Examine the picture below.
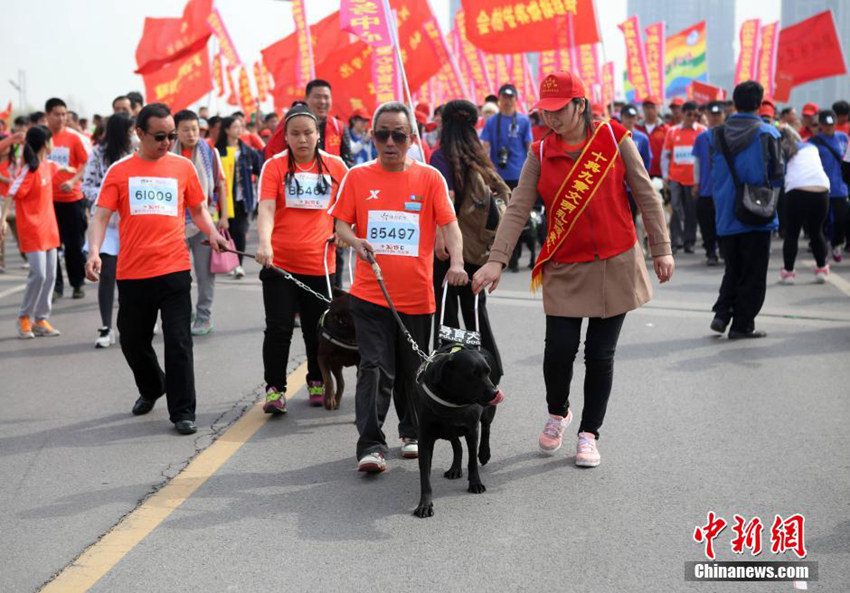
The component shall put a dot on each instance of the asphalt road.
(696, 423)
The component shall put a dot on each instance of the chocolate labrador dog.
(455, 394)
(337, 346)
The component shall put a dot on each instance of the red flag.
(704, 93)
(473, 58)
(233, 98)
(180, 83)
(588, 64)
(811, 50)
(635, 57)
(748, 58)
(246, 98)
(608, 84)
(166, 40)
(515, 26)
(655, 57)
(306, 69)
(218, 75)
(442, 56)
(225, 43)
(367, 20)
(767, 56)
(782, 89)
(6, 113)
(262, 93)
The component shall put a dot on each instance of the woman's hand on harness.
(264, 255)
(364, 249)
(664, 266)
(488, 275)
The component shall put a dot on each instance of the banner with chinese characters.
(474, 59)
(306, 69)
(218, 75)
(767, 56)
(811, 49)
(516, 26)
(225, 43)
(704, 93)
(180, 83)
(635, 58)
(260, 80)
(366, 19)
(385, 75)
(748, 56)
(608, 91)
(655, 49)
(588, 64)
(246, 98)
(233, 97)
(443, 56)
(166, 40)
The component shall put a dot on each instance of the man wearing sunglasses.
(396, 204)
(150, 190)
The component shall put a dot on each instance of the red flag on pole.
(608, 84)
(306, 70)
(180, 83)
(473, 58)
(165, 40)
(767, 56)
(260, 80)
(6, 113)
(218, 75)
(811, 50)
(655, 57)
(748, 57)
(515, 26)
(225, 43)
(246, 98)
(636, 57)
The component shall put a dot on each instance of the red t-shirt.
(34, 212)
(680, 142)
(253, 140)
(69, 150)
(151, 197)
(4, 171)
(302, 224)
(398, 214)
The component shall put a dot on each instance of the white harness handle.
(327, 272)
(443, 307)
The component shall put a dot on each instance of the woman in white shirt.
(806, 204)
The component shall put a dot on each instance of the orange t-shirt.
(69, 150)
(4, 171)
(151, 197)
(680, 142)
(302, 224)
(34, 212)
(398, 214)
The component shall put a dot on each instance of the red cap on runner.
(677, 102)
(652, 99)
(810, 109)
(558, 89)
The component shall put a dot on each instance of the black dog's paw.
(453, 473)
(478, 488)
(484, 455)
(423, 511)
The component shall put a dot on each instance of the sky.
(84, 51)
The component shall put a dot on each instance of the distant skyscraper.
(681, 14)
(828, 90)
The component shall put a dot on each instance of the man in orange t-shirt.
(396, 205)
(69, 151)
(677, 164)
(151, 190)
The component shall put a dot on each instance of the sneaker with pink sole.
(275, 402)
(821, 274)
(553, 433)
(587, 455)
(786, 277)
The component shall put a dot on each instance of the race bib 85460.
(61, 155)
(392, 232)
(153, 195)
(308, 193)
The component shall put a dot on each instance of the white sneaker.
(372, 463)
(105, 338)
(409, 448)
(238, 273)
(787, 277)
(587, 455)
(821, 274)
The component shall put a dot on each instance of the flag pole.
(604, 53)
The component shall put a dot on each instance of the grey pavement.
(695, 423)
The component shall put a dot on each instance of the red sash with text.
(575, 193)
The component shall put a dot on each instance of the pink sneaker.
(821, 274)
(275, 402)
(553, 433)
(316, 392)
(587, 455)
(786, 277)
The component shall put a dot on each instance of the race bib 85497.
(309, 193)
(153, 195)
(392, 232)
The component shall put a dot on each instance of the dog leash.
(280, 271)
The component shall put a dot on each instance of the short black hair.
(35, 116)
(316, 83)
(748, 96)
(267, 117)
(237, 114)
(73, 116)
(50, 104)
(185, 115)
(136, 98)
(491, 99)
(841, 107)
(689, 106)
(151, 110)
(785, 111)
(214, 120)
(120, 98)
(21, 121)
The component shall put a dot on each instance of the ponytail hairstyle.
(291, 181)
(117, 141)
(37, 137)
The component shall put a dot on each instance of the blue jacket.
(831, 165)
(703, 157)
(645, 150)
(750, 141)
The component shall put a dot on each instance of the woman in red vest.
(591, 265)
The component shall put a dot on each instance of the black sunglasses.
(159, 137)
(384, 135)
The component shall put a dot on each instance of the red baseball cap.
(652, 99)
(361, 113)
(421, 118)
(424, 108)
(767, 109)
(677, 102)
(810, 109)
(597, 109)
(558, 89)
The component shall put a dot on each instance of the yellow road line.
(99, 559)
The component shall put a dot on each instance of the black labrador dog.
(455, 394)
(337, 346)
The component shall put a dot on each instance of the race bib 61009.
(309, 193)
(153, 195)
(392, 232)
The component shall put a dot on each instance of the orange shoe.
(43, 328)
(25, 328)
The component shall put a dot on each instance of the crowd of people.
(139, 199)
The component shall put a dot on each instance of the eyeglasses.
(162, 136)
(384, 135)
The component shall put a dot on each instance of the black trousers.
(139, 302)
(462, 297)
(838, 213)
(805, 210)
(238, 226)
(744, 280)
(71, 218)
(387, 372)
(282, 299)
(563, 335)
(106, 288)
(707, 224)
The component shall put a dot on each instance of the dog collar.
(335, 341)
(440, 400)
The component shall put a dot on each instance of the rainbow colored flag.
(685, 60)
